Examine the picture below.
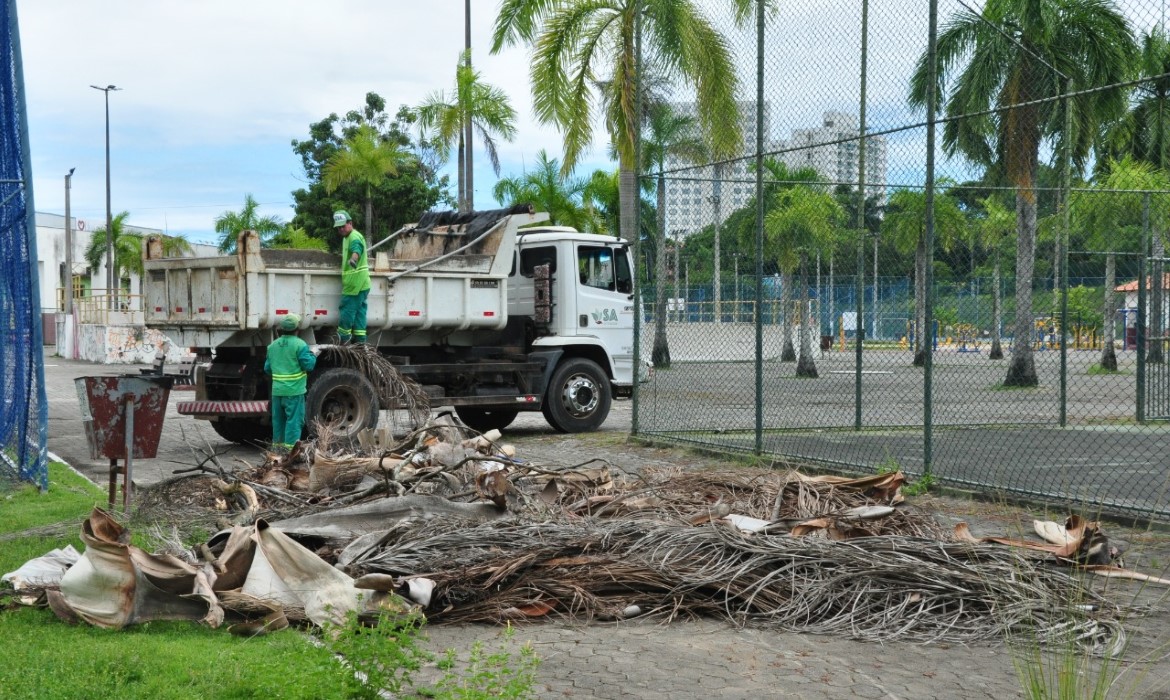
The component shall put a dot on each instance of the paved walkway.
(697, 659)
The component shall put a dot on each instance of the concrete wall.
(110, 345)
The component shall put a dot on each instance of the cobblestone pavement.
(685, 659)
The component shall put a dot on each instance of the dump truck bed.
(446, 272)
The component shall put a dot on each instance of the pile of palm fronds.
(874, 588)
(395, 392)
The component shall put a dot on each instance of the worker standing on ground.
(289, 361)
(355, 280)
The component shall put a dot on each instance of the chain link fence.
(23, 411)
(939, 246)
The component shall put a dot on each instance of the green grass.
(49, 659)
(1099, 371)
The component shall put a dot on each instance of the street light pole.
(736, 255)
(109, 212)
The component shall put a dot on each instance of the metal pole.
(716, 280)
(68, 250)
(1065, 225)
(928, 320)
(859, 325)
(128, 470)
(1140, 333)
(468, 178)
(109, 211)
(635, 235)
(735, 318)
(759, 446)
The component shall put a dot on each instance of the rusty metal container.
(123, 420)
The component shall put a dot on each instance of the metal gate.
(1153, 325)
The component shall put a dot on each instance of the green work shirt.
(354, 279)
(289, 361)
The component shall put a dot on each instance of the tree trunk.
(877, 292)
(832, 305)
(1022, 368)
(661, 353)
(461, 200)
(1157, 312)
(787, 351)
(1108, 353)
(921, 332)
(996, 312)
(806, 366)
(369, 218)
(627, 203)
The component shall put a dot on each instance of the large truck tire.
(578, 397)
(244, 431)
(485, 419)
(343, 401)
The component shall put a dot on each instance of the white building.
(832, 150)
(91, 307)
(694, 196)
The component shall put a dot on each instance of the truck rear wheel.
(485, 419)
(343, 401)
(578, 397)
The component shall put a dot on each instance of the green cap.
(290, 322)
(341, 217)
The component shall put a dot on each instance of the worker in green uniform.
(355, 280)
(289, 361)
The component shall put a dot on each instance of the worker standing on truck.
(355, 280)
(289, 361)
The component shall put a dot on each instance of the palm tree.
(229, 224)
(601, 197)
(1144, 133)
(905, 225)
(583, 44)
(1112, 220)
(547, 189)
(472, 105)
(804, 221)
(128, 248)
(296, 238)
(366, 159)
(671, 137)
(778, 178)
(1020, 52)
(992, 231)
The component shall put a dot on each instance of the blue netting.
(23, 411)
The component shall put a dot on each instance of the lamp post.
(735, 256)
(109, 213)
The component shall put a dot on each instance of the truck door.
(605, 302)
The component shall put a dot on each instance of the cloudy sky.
(214, 91)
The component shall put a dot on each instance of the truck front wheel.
(578, 397)
(343, 401)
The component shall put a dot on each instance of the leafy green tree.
(547, 189)
(1143, 133)
(905, 225)
(296, 238)
(229, 224)
(486, 108)
(398, 199)
(1112, 218)
(580, 45)
(804, 221)
(1004, 63)
(669, 137)
(602, 198)
(127, 248)
(366, 160)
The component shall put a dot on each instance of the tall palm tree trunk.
(996, 311)
(461, 182)
(787, 351)
(1157, 313)
(661, 353)
(806, 366)
(921, 332)
(1022, 368)
(1108, 354)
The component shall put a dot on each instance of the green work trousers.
(288, 418)
(353, 317)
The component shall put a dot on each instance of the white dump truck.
(490, 318)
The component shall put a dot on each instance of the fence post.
(859, 325)
(636, 233)
(1140, 335)
(1066, 191)
(759, 445)
(928, 310)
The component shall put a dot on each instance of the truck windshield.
(603, 267)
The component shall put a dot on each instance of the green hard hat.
(290, 322)
(341, 217)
